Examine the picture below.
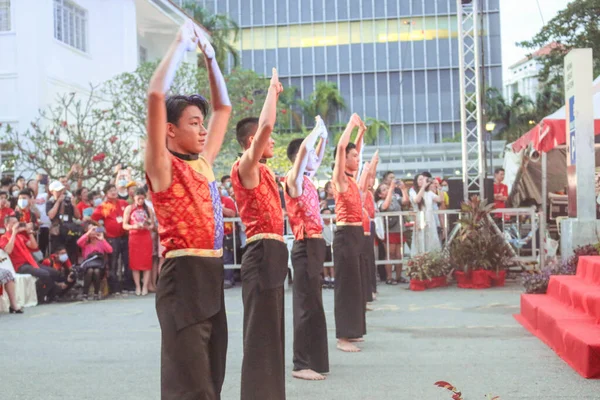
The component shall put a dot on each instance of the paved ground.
(110, 350)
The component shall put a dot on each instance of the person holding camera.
(138, 219)
(423, 198)
(59, 266)
(63, 213)
(95, 250)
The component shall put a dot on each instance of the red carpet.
(567, 318)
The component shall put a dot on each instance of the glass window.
(5, 20)
(305, 11)
(283, 66)
(318, 12)
(270, 34)
(443, 6)
(332, 60)
(257, 12)
(406, 59)
(409, 134)
(271, 59)
(381, 56)
(369, 95)
(295, 61)
(356, 53)
(269, 12)
(430, 6)
(282, 7)
(433, 97)
(344, 58)
(259, 62)
(343, 8)
(307, 87)
(432, 53)
(444, 53)
(367, 8)
(495, 56)
(419, 54)
(408, 102)
(234, 11)
(320, 60)
(417, 7)
(394, 55)
(330, 11)
(246, 16)
(396, 135)
(307, 61)
(70, 24)
(294, 12)
(357, 94)
(246, 58)
(354, 10)
(382, 97)
(404, 7)
(369, 57)
(395, 97)
(422, 134)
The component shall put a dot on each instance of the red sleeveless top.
(366, 222)
(348, 206)
(189, 212)
(370, 204)
(260, 208)
(304, 213)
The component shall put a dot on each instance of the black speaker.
(456, 194)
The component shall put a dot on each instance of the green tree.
(548, 100)
(576, 26)
(76, 130)
(512, 118)
(325, 101)
(374, 128)
(224, 33)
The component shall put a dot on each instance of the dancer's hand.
(204, 43)
(355, 120)
(187, 36)
(275, 82)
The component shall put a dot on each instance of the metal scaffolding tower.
(473, 157)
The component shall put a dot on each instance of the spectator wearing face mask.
(14, 196)
(26, 210)
(59, 266)
(226, 182)
(95, 251)
(63, 213)
(5, 210)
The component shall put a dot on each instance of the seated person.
(58, 266)
(95, 248)
(19, 247)
(5, 210)
(8, 281)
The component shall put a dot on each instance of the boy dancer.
(348, 242)
(179, 157)
(264, 264)
(311, 357)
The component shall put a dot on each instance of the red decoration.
(284, 111)
(135, 151)
(113, 139)
(60, 142)
(417, 285)
(52, 131)
(32, 156)
(71, 146)
(99, 157)
(90, 172)
(63, 124)
(118, 123)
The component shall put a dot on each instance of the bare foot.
(345, 345)
(308, 375)
(369, 308)
(356, 340)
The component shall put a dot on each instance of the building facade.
(52, 47)
(522, 76)
(396, 60)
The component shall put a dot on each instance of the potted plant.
(427, 271)
(478, 254)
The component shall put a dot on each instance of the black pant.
(44, 240)
(120, 248)
(45, 287)
(92, 275)
(59, 276)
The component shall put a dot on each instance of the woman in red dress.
(138, 219)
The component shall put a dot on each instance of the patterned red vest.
(304, 213)
(189, 212)
(260, 208)
(348, 206)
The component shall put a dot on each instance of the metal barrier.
(520, 228)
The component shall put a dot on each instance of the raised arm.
(266, 123)
(321, 146)
(217, 126)
(360, 138)
(364, 177)
(339, 170)
(158, 165)
(296, 176)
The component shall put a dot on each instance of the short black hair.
(4, 193)
(244, 129)
(8, 217)
(140, 192)
(62, 176)
(177, 104)
(6, 181)
(79, 191)
(26, 192)
(386, 174)
(498, 170)
(293, 148)
(20, 177)
(59, 248)
(224, 178)
(348, 148)
(93, 194)
(108, 187)
(426, 174)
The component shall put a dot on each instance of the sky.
(521, 20)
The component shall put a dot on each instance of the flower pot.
(498, 279)
(481, 279)
(418, 285)
(464, 279)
